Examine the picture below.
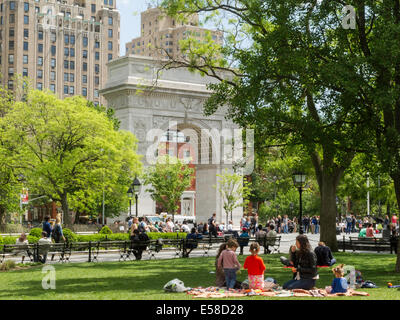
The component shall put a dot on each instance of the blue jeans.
(333, 261)
(285, 228)
(305, 284)
(317, 228)
(230, 278)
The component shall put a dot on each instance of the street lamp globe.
(130, 193)
(137, 186)
(299, 179)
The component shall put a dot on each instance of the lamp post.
(130, 196)
(299, 180)
(137, 186)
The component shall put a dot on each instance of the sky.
(130, 20)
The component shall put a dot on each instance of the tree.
(290, 74)
(63, 147)
(167, 180)
(235, 191)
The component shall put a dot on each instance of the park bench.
(57, 249)
(12, 250)
(266, 242)
(369, 244)
(155, 247)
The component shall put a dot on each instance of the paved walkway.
(286, 241)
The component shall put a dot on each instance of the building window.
(110, 45)
(96, 80)
(25, 72)
(40, 61)
(66, 52)
(66, 39)
(93, 8)
(71, 77)
(96, 93)
(26, 6)
(12, 18)
(53, 50)
(52, 88)
(110, 56)
(40, 74)
(110, 21)
(97, 44)
(84, 92)
(11, 45)
(11, 32)
(110, 33)
(53, 37)
(25, 59)
(40, 86)
(53, 63)
(52, 76)
(66, 64)
(12, 5)
(85, 41)
(84, 66)
(66, 77)
(72, 65)
(85, 54)
(26, 46)
(97, 55)
(40, 47)
(72, 39)
(96, 68)
(72, 90)
(26, 19)
(84, 78)
(65, 89)
(72, 52)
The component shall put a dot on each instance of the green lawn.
(145, 279)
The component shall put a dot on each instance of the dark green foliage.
(31, 239)
(69, 235)
(36, 232)
(105, 230)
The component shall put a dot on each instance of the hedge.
(72, 237)
(105, 230)
(36, 232)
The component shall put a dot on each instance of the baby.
(339, 284)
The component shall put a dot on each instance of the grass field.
(145, 279)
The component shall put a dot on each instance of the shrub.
(1, 240)
(36, 232)
(32, 239)
(105, 230)
(7, 265)
(69, 235)
(10, 240)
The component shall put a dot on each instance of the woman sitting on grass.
(305, 267)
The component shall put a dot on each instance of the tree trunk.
(2, 218)
(396, 180)
(328, 211)
(65, 209)
(77, 217)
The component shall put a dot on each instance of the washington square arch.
(166, 116)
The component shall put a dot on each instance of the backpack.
(143, 236)
(141, 228)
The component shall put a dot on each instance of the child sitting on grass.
(229, 262)
(255, 267)
(339, 284)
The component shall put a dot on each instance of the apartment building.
(62, 46)
(160, 35)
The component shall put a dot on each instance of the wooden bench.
(369, 244)
(266, 242)
(12, 250)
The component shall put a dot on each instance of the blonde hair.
(338, 271)
(254, 248)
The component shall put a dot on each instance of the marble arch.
(177, 98)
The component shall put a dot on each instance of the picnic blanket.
(214, 292)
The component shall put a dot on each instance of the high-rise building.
(63, 45)
(160, 35)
